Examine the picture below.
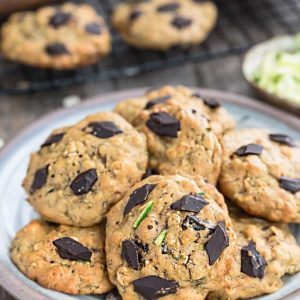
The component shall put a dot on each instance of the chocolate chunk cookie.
(81, 171)
(163, 24)
(261, 174)
(180, 141)
(168, 237)
(219, 119)
(62, 258)
(58, 37)
(265, 253)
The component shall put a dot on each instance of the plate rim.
(15, 285)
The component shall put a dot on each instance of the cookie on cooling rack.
(63, 258)
(57, 37)
(81, 171)
(163, 24)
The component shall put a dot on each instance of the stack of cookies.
(134, 199)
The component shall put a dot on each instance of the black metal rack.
(241, 24)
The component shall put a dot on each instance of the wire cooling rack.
(241, 24)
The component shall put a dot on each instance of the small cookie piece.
(219, 119)
(163, 24)
(265, 253)
(62, 258)
(81, 171)
(168, 236)
(57, 37)
(262, 175)
(180, 141)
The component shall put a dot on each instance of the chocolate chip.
(152, 287)
(217, 243)
(195, 223)
(163, 124)
(181, 22)
(192, 203)
(59, 19)
(211, 102)
(93, 28)
(138, 197)
(72, 250)
(290, 184)
(168, 7)
(113, 295)
(40, 178)
(252, 263)
(149, 172)
(153, 102)
(134, 15)
(104, 130)
(130, 254)
(53, 139)
(283, 139)
(56, 49)
(84, 182)
(250, 149)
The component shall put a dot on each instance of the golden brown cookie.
(168, 237)
(261, 174)
(163, 24)
(63, 258)
(57, 37)
(80, 172)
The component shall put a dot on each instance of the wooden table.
(19, 111)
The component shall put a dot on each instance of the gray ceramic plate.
(15, 212)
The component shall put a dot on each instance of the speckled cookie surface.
(163, 24)
(219, 119)
(180, 141)
(168, 237)
(63, 258)
(261, 174)
(81, 171)
(58, 37)
(274, 243)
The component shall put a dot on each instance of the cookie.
(57, 37)
(219, 119)
(261, 174)
(180, 141)
(163, 24)
(62, 258)
(265, 253)
(80, 172)
(168, 237)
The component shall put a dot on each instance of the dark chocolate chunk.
(153, 102)
(252, 263)
(134, 15)
(113, 295)
(168, 7)
(104, 130)
(53, 139)
(283, 139)
(250, 149)
(84, 182)
(138, 197)
(93, 28)
(290, 184)
(150, 172)
(56, 49)
(211, 102)
(163, 124)
(152, 287)
(59, 19)
(218, 241)
(130, 254)
(40, 178)
(195, 223)
(181, 22)
(192, 203)
(72, 250)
